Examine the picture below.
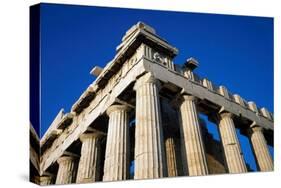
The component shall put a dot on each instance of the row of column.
(150, 155)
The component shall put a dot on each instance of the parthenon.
(143, 109)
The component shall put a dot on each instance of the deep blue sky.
(236, 51)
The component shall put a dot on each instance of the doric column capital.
(86, 136)
(147, 78)
(226, 115)
(189, 97)
(255, 128)
(66, 158)
(217, 117)
(117, 107)
(67, 169)
(183, 97)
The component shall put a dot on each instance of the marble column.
(89, 164)
(67, 170)
(231, 146)
(116, 165)
(193, 152)
(149, 144)
(171, 157)
(260, 148)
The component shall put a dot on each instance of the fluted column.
(231, 146)
(171, 157)
(67, 170)
(116, 166)
(89, 164)
(149, 145)
(260, 148)
(193, 152)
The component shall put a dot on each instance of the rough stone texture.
(262, 155)
(265, 113)
(238, 99)
(208, 84)
(149, 145)
(67, 170)
(189, 74)
(116, 165)
(193, 153)
(89, 164)
(232, 150)
(224, 92)
(252, 105)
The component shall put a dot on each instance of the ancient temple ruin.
(143, 109)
